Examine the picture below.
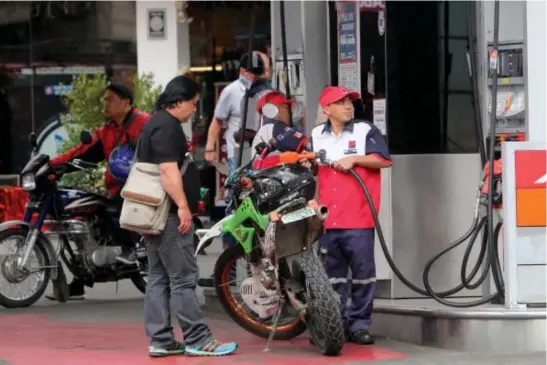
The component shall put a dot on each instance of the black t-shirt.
(163, 140)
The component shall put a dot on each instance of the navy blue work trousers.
(351, 249)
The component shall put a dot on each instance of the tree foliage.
(84, 106)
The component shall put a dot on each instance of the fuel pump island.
(488, 297)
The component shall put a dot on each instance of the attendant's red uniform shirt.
(339, 191)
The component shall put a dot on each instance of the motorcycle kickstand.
(274, 327)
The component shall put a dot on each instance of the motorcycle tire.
(237, 313)
(323, 307)
(40, 249)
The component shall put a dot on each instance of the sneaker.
(128, 256)
(176, 348)
(212, 348)
(361, 337)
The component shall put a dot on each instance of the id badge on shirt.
(352, 148)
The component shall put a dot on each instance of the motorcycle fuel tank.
(278, 185)
(77, 200)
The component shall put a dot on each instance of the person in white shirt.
(228, 112)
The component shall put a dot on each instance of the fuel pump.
(488, 198)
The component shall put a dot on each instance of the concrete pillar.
(315, 37)
(165, 54)
(534, 69)
(307, 33)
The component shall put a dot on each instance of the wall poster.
(348, 46)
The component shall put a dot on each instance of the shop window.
(35, 65)
(416, 120)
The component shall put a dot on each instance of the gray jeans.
(173, 275)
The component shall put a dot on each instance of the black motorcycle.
(75, 227)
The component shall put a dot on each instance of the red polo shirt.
(339, 191)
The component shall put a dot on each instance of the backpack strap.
(125, 127)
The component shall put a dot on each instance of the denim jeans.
(172, 278)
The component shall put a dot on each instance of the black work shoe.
(75, 291)
(206, 282)
(210, 282)
(361, 337)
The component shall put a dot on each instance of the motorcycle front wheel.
(13, 277)
(323, 308)
(287, 328)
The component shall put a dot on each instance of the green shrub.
(84, 106)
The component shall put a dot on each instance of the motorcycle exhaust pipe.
(322, 212)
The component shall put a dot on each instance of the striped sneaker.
(176, 348)
(212, 348)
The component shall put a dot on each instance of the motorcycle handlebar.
(77, 165)
(86, 164)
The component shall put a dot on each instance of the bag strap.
(183, 168)
(125, 128)
(136, 151)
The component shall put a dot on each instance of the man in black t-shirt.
(173, 271)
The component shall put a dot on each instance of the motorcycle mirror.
(86, 137)
(222, 168)
(33, 142)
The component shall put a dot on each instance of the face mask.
(246, 79)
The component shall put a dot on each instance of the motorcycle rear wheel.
(42, 253)
(323, 309)
(239, 314)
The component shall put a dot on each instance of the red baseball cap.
(273, 97)
(332, 94)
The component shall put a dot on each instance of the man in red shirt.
(121, 117)
(349, 239)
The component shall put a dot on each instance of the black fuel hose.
(486, 251)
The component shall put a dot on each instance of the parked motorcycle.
(275, 221)
(83, 224)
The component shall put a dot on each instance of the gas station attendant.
(348, 242)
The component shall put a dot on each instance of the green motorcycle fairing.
(244, 235)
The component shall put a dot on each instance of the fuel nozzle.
(322, 156)
(259, 148)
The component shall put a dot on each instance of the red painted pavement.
(35, 339)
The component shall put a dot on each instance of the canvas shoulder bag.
(145, 202)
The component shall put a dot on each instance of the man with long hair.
(173, 270)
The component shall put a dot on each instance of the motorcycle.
(84, 225)
(275, 222)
